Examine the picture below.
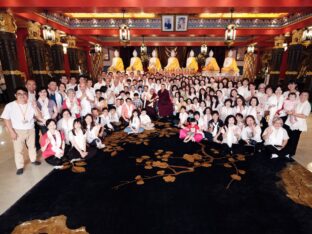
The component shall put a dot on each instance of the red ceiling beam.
(153, 4)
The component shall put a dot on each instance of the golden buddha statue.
(211, 64)
(117, 63)
(154, 63)
(173, 63)
(191, 63)
(135, 63)
(230, 65)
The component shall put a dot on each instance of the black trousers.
(293, 141)
(74, 154)
(225, 149)
(272, 150)
(54, 161)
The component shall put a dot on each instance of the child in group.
(289, 105)
(191, 132)
(105, 121)
(146, 121)
(134, 124)
(114, 118)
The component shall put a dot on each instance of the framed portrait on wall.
(106, 54)
(167, 23)
(181, 22)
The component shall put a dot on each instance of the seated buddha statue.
(230, 65)
(135, 63)
(117, 63)
(173, 63)
(211, 64)
(154, 63)
(191, 63)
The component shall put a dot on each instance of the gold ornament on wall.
(7, 22)
(279, 41)
(71, 41)
(57, 37)
(34, 30)
(296, 37)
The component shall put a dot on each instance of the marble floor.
(13, 187)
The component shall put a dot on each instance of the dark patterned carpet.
(154, 183)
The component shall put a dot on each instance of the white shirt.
(98, 85)
(145, 119)
(300, 123)
(247, 134)
(65, 126)
(183, 117)
(17, 112)
(276, 137)
(86, 105)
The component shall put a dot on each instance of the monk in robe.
(230, 65)
(173, 63)
(165, 106)
(191, 63)
(117, 63)
(154, 63)
(211, 64)
(135, 63)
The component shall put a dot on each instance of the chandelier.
(124, 31)
(97, 48)
(307, 36)
(47, 32)
(230, 31)
(143, 48)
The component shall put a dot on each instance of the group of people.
(68, 119)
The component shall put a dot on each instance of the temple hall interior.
(144, 116)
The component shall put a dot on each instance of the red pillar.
(21, 53)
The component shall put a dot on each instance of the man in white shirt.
(99, 84)
(19, 117)
(31, 87)
(54, 95)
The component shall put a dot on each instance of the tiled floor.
(13, 187)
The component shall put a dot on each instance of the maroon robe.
(165, 106)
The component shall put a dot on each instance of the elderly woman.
(72, 103)
(276, 138)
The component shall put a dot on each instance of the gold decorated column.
(72, 52)
(8, 53)
(36, 53)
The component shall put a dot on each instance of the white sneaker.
(75, 159)
(100, 146)
(58, 167)
(274, 156)
(287, 156)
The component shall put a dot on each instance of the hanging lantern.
(124, 33)
(48, 33)
(203, 49)
(307, 36)
(251, 48)
(143, 48)
(230, 31)
(97, 48)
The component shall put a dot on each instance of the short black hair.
(22, 89)
(49, 121)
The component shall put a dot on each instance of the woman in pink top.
(53, 145)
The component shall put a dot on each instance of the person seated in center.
(117, 64)
(191, 63)
(230, 65)
(154, 63)
(173, 62)
(211, 64)
(135, 63)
